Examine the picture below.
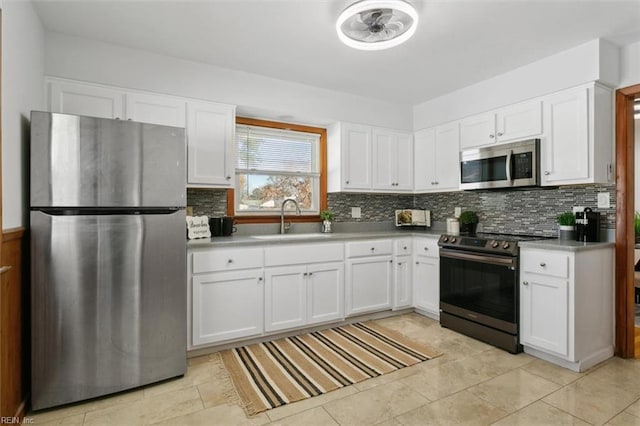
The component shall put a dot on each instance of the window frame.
(322, 181)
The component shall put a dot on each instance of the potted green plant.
(327, 217)
(468, 222)
(567, 226)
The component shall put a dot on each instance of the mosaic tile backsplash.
(527, 211)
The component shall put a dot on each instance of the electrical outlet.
(457, 211)
(604, 200)
(577, 209)
(356, 212)
(189, 211)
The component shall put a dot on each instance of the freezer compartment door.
(96, 162)
(108, 304)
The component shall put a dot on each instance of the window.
(276, 162)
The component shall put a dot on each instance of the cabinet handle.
(491, 136)
(525, 282)
(543, 264)
(547, 173)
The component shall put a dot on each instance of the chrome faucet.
(283, 228)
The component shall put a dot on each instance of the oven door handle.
(502, 261)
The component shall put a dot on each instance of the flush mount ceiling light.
(377, 24)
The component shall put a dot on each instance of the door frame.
(625, 208)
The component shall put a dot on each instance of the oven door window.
(484, 170)
(479, 287)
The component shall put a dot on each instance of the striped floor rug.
(271, 374)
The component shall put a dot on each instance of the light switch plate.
(189, 211)
(356, 212)
(457, 211)
(604, 200)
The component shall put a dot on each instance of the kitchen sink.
(292, 236)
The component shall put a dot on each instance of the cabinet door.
(227, 305)
(519, 121)
(478, 130)
(403, 161)
(447, 157)
(211, 144)
(384, 170)
(425, 160)
(325, 301)
(368, 286)
(544, 313)
(156, 109)
(80, 99)
(566, 148)
(356, 146)
(426, 284)
(285, 297)
(403, 296)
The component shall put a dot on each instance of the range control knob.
(445, 239)
(494, 244)
(453, 239)
(506, 245)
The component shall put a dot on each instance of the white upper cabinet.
(84, 99)
(392, 160)
(515, 122)
(578, 136)
(211, 148)
(437, 159)
(365, 159)
(210, 127)
(156, 109)
(356, 151)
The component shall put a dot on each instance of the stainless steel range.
(479, 287)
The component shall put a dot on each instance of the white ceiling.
(458, 42)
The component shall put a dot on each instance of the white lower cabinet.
(426, 276)
(226, 306)
(402, 282)
(325, 289)
(369, 276)
(566, 305)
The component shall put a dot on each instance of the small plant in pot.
(327, 217)
(567, 222)
(468, 222)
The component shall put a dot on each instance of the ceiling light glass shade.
(377, 24)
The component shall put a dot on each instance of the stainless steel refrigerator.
(108, 256)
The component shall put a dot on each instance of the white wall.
(22, 73)
(83, 59)
(566, 69)
(630, 65)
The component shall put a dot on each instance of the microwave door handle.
(508, 166)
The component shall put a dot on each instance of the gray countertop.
(241, 241)
(567, 245)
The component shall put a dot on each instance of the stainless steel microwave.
(503, 166)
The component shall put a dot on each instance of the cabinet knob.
(433, 183)
(228, 178)
(426, 249)
(305, 274)
(543, 264)
(437, 183)
(259, 278)
(525, 282)
(500, 133)
(230, 261)
(391, 261)
(417, 263)
(404, 248)
(547, 173)
(310, 273)
(373, 249)
(491, 136)
(399, 263)
(347, 182)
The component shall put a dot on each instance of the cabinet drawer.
(227, 260)
(297, 254)
(426, 247)
(369, 248)
(403, 246)
(550, 263)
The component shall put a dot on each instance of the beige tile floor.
(472, 383)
